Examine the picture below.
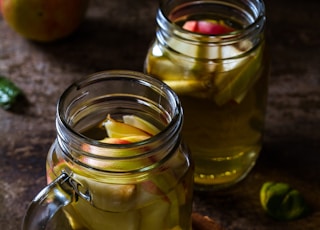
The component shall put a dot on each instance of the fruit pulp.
(224, 102)
(158, 199)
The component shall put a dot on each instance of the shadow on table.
(295, 161)
(99, 45)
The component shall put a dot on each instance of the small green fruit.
(281, 201)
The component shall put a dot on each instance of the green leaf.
(8, 93)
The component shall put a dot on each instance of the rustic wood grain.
(200, 222)
(116, 35)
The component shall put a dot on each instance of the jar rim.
(259, 21)
(63, 121)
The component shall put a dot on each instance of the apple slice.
(210, 27)
(195, 88)
(190, 25)
(214, 28)
(243, 78)
(119, 141)
(133, 139)
(120, 133)
(124, 140)
(120, 197)
(140, 124)
(150, 187)
(116, 129)
(116, 152)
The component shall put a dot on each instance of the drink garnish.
(281, 201)
(210, 27)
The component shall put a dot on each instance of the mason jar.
(107, 177)
(212, 53)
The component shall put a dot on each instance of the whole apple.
(44, 20)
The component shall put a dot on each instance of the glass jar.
(99, 185)
(212, 53)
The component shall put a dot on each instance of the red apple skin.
(152, 188)
(212, 28)
(44, 20)
(190, 26)
(207, 27)
(118, 141)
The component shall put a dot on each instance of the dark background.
(116, 35)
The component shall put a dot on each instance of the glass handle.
(45, 205)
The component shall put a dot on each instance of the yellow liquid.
(224, 140)
(224, 108)
(158, 200)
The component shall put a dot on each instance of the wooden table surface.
(116, 35)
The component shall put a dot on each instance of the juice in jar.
(221, 80)
(157, 199)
